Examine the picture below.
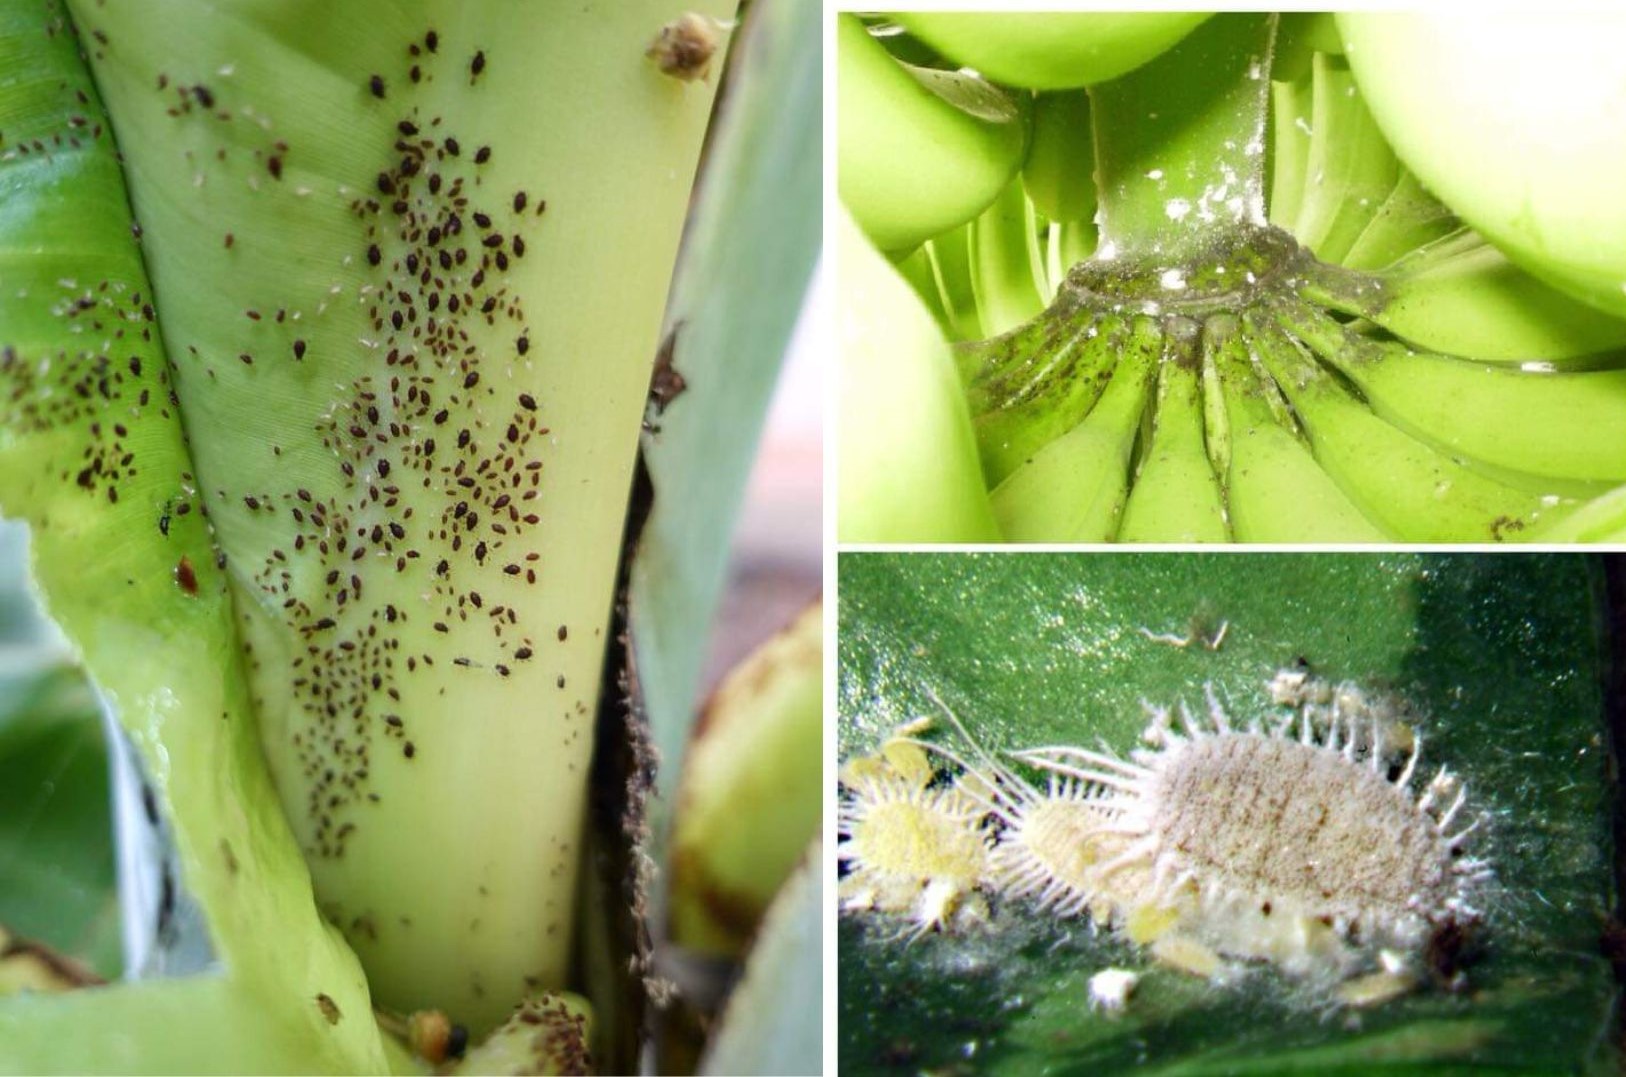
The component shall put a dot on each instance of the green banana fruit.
(950, 255)
(1349, 172)
(1176, 495)
(1602, 520)
(1464, 297)
(1274, 489)
(1060, 166)
(1054, 50)
(1006, 265)
(1073, 489)
(919, 150)
(1404, 486)
(1561, 426)
(1408, 219)
(907, 459)
(1298, 415)
(1512, 119)
(1020, 413)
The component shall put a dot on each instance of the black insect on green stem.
(1180, 142)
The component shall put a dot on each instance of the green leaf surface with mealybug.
(1501, 660)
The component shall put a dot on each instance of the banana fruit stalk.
(410, 287)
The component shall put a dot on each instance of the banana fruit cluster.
(1357, 363)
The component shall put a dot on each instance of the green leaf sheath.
(736, 294)
(410, 263)
(93, 458)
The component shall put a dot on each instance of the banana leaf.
(1503, 656)
(56, 853)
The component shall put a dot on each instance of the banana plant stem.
(1180, 142)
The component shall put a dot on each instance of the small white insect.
(1110, 989)
(909, 848)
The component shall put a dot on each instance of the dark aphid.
(564, 632)
(299, 349)
(230, 239)
(407, 127)
(472, 379)
(273, 165)
(185, 578)
(522, 654)
(374, 256)
(376, 84)
(481, 219)
(477, 65)
(431, 41)
(205, 97)
(523, 344)
(519, 246)
(527, 401)
(482, 155)
(386, 185)
(519, 202)
(452, 147)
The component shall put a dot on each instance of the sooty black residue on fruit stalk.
(434, 459)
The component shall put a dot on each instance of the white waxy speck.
(1173, 280)
(1110, 989)
(1177, 208)
(1303, 125)
(226, 71)
(1155, 174)
(1255, 71)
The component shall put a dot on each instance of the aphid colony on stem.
(1307, 840)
